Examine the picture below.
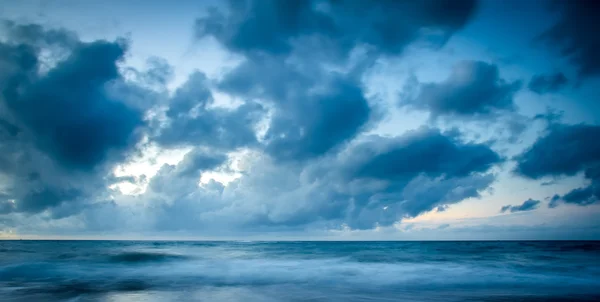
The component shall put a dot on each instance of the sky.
(299, 120)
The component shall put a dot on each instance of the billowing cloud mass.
(191, 121)
(473, 89)
(548, 83)
(61, 129)
(565, 151)
(335, 27)
(527, 205)
(89, 118)
(77, 125)
(574, 35)
(283, 116)
(313, 110)
(375, 182)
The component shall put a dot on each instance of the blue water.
(299, 271)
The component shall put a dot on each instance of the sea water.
(299, 271)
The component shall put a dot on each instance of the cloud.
(554, 201)
(548, 183)
(36, 34)
(192, 121)
(347, 188)
(278, 27)
(527, 205)
(565, 151)
(427, 151)
(583, 196)
(548, 83)
(307, 171)
(313, 108)
(580, 196)
(338, 114)
(312, 167)
(420, 171)
(62, 129)
(473, 89)
(313, 111)
(200, 160)
(74, 120)
(574, 35)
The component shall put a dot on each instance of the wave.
(16, 251)
(144, 257)
(330, 276)
(78, 269)
(163, 269)
(76, 287)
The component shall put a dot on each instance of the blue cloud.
(330, 191)
(300, 120)
(473, 89)
(574, 35)
(407, 175)
(192, 123)
(36, 34)
(583, 196)
(548, 83)
(322, 122)
(314, 111)
(275, 27)
(430, 152)
(566, 150)
(527, 205)
(74, 119)
(62, 129)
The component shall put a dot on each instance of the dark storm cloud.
(566, 150)
(286, 43)
(314, 111)
(179, 203)
(554, 201)
(307, 170)
(156, 74)
(527, 205)
(474, 88)
(338, 189)
(383, 180)
(68, 112)
(193, 93)
(191, 122)
(323, 122)
(9, 128)
(62, 130)
(548, 83)
(427, 168)
(37, 201)
(182, 178)
(583, 196)
(275, 27)
(314, 174)
(580, 196)
(36, 34)
(198, 160)
(575, 34)
(263, 25)
(429, 152)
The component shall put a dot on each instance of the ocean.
(299, 271)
